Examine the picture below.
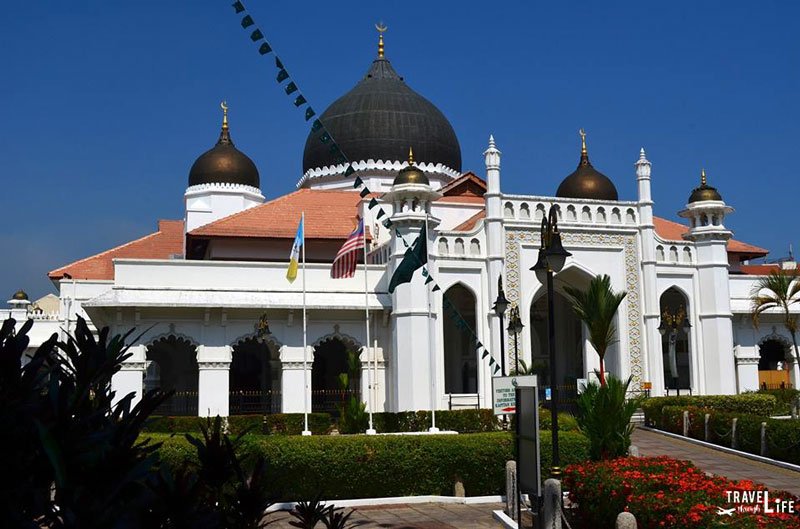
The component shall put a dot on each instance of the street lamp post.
(552, 257)
(500, 307)
(515, 325)
(671, 324)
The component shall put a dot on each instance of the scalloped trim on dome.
(224, 186)
(372, 165)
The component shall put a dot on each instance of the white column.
(746, 370)
(130, 377)
(214, 380)
(495, 255)
(653, 369)
(378, 379)
(292, 380)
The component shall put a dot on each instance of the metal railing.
(329, 400)
(248, 402)
(180, 403)
(782, 385)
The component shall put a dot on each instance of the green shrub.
(783, 435)
(293, 424)
(752, 403)
(380, 466)
(461, 421)
(786, 398)
(566, 421)
(604, 416)
(276, 423)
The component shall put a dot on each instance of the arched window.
(659, 253)
(460, 355)
(601, 215)
(508, 211)
(539, 215)
(524, 212)
(459, 247)
(474, 247)
(443, 248)
(255, 378)
(571, 215)
(616, 217)
(173, 366)
(333, 358)
(675, 340)
(586, 214)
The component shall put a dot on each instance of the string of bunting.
(339, 157)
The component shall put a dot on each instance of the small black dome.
(704, 192)
(379, 119)
(20, 295)
(224, 164)
(587, 182)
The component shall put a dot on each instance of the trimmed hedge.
(276, 423)
(461, 421)
(786, 397)
(752, 403)
(783, 435)
(380, 466)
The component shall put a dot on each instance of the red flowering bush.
(663, 492)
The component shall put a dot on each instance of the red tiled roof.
(468, 184)
(329, 215)
(759, 270)
(163, 244)
(673, 231)
(471, 222)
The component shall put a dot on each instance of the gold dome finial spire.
(381, 27)
(410, 156)
(703, 182)
(583, 141)
(224, 107)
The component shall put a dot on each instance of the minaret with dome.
(374, 124)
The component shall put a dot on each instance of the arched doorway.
(333, 357)
(569, 341)
(677, 371)
(460, 355)
(774, 362)
(255, 378)
(173, 367)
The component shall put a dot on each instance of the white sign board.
(504, 392)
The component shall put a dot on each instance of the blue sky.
(107, 104)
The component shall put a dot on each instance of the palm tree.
(779, 290)
(596, 307)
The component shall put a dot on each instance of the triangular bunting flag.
(238, 6)
(316, 125)
(435, 288)
(478, 345)
(325, 137)
(247, 21)
(282, 75)
(364, 192)
(334, 149)
(491, 361)
(380, 214)
(291, 87)
(256, 35)
(496, 369)
(349, 170)
(358, 182)
(264, 48)
(299, 100)
(278, 63)
(310, 113)
(387, 223)
(339, 160)
(428, 279)
(484, 354)
(372, 203)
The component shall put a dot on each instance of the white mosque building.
(202, 284)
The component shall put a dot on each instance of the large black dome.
(224, 164)
(379, 119)
(586, 181)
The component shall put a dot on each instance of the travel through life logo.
(755, 502)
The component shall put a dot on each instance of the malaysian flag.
(346, 260)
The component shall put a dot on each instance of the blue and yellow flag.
(294, 257)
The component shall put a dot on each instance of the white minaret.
(414, 363)
(222, 181)
(706, 212)
(495, 242)
(653, 360)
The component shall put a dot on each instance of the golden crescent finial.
(703, 181)
(224, 106)
(381, 27)
(583, 141)
(410, 156)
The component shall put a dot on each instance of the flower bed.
(663, 492)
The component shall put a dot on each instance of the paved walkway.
(716, 462)
(413, 516)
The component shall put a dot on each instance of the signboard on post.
(504, 392)
(528, 447)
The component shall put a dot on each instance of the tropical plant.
(536, 368)
(779, 290)
(604, 416)
(596, 307)
(353, 416)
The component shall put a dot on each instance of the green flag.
(247, 21)
(264, 48)
(291, 87)
(387, 223)
(414, 258)
(282, 75)
(256, 35)
(310, 113)
(358, 182)
(238, 7)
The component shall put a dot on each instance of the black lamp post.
(500, 307)
(671, 324)
(552, 257)
(515, 325)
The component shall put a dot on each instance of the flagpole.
(431, 339)
(371, 430)
(306, 431)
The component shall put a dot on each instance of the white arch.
(788, 346)
(171, 332)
